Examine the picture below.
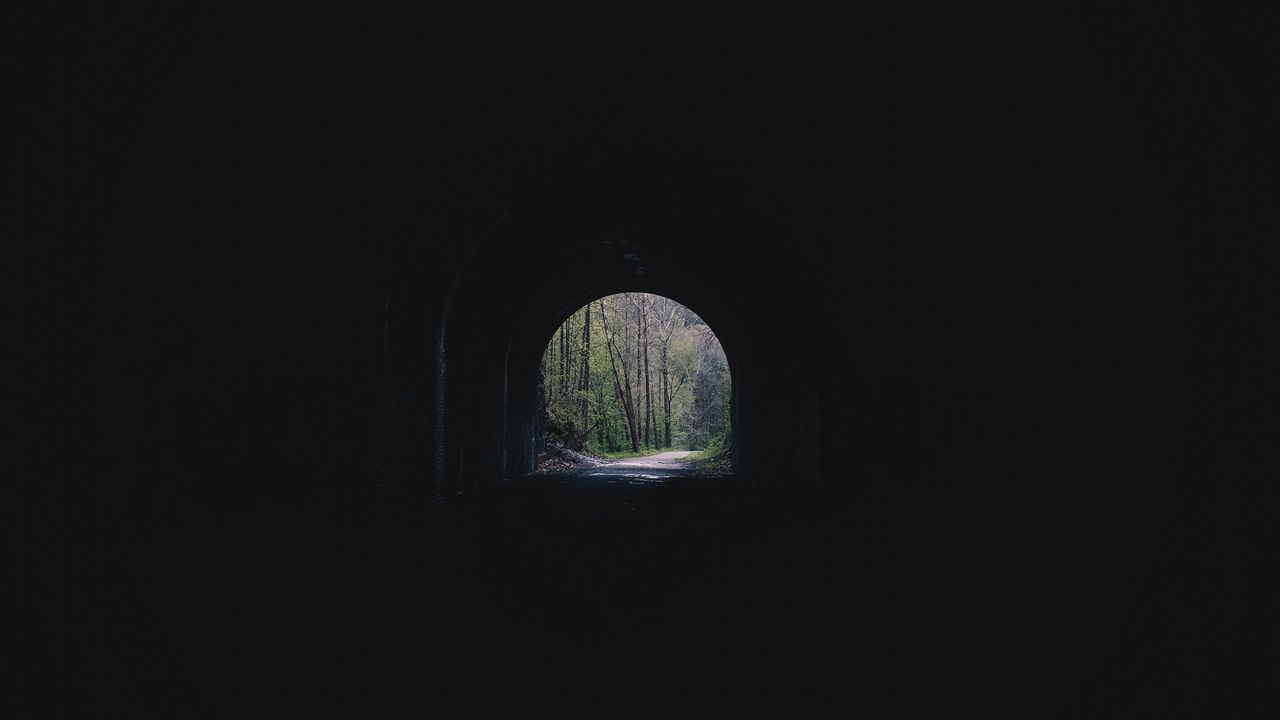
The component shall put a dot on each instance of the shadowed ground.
(618, 566)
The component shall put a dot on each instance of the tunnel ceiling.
(633, 194)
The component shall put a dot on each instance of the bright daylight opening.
(635, 375)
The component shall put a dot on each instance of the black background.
(1031, 257)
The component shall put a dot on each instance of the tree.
(667, 316)
(614, 366)
(706, 417)
(624, 389)
(584, 377)
(648, 394)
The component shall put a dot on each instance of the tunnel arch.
(524, 357)
(510, 451)
(546, 260)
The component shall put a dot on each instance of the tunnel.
(503, 345)
(996, 294)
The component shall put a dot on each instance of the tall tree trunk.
(571, 380)
(584, 377)
(668, 327)
(666, 398)
(602, 422)
(639, 420)
(568, 358)
(624, 392)
(649, 427)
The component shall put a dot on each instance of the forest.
(635, 373)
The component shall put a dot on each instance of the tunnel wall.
(1041, 270)
(515, 299)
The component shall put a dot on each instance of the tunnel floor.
(636, 566)
(606, 568)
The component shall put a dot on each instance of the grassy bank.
(717, 448)
(621, 454)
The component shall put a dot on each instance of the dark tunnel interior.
(997, 292)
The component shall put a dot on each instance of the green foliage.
(716, 448)
(696, 380)
(621, 454)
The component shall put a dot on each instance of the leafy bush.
(717, 449)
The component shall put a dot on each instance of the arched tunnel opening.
(533, 271)
(633, 375)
